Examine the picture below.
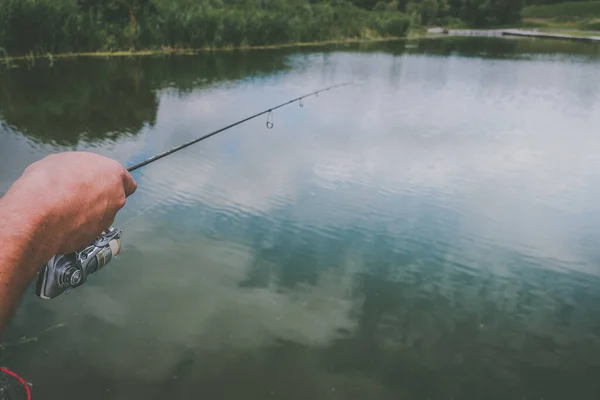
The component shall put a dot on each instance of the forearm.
(25, 249)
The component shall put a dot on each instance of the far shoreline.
(430, 33)
(190, 51)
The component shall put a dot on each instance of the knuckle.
(119, 170)
(122, 172)
(121, 201)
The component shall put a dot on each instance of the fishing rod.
(65, 272)
(269, 112)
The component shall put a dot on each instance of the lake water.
(430, 232)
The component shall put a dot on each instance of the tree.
(118, 11)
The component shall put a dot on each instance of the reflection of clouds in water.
(513, 170)
(377, 178)
(191, 298)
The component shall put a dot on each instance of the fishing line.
(269, 113)
(147, 209)
(269, 124)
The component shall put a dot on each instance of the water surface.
(430, 232)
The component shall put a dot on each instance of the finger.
(76, 243)
(107, 222)
(129, 184)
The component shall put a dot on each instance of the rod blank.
(201, 138)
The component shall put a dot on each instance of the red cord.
(17, 377)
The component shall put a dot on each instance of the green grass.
(581, 9)
(591, 24)
(568, 32)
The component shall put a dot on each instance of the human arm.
(59, 205)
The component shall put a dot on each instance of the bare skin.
(59, 205)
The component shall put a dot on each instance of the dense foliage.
(55, 26)
(474, 13)
(580, 9)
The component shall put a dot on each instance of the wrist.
(26, 229)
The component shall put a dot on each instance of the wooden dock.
(547, 35)
(465, 32)
(514, 32)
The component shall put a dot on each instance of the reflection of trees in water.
(77, 100)
(463, 334)
(488, 47)
(97, 99)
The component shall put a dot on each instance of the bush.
(453, 23)
(390, 24)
